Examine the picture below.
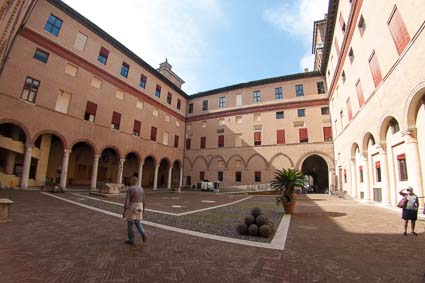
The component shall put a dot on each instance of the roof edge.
(330, 28)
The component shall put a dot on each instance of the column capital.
(171, 168)
(142, 163)
(157, 165)
(97, 156)
(409, 136)
(122, 160)
(67, 151)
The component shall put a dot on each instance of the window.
(139, 104)
(203, 142)
(103, 55)
(320, 87)
(142, 82)
(343, 77)
(361, 25)
(280, 115)
(350, 112)
(167, 118)
(124, 69)
(280, 134)
(361, 174)
(402, 167)
(205, 105)
(96, 82)
(53, 25)
(188, 143)
(351, 55)
(116, 120)
(220, 176)
(153, 133)
(359, 91)
(169, 97)
(29, 92)
(220, 163)
(188, 180)
(398, 30)
(303, 135)
(80, 41)
(336, 47)
(177, 124)
(41, 55)
(62, 102)
(239, 100)
(222, 102)
(238, 119)
(71, 70)
(179, 104)
(278, 94)
(176, 141)
(299, 90)
(327, 134)
(378, 171)
(257, 177)
(90, 114)
(158, 91)
(395, 127)
(375, 69)
(257, 138)
(221, 141)
(190, 109)
(202, 175)
(325, 110)
(342, 22)
(257, 117)
(301, 112)
(119, 94)
(155, 112)
(345, 176)
(257, 96)
(238, 176)
(136, 128)
(221, 122)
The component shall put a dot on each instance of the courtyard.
(77, 237)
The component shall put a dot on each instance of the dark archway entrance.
(108, 166)
(148, 172)
(80, 168)
(316, 169)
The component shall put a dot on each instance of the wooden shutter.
(342, 22)
(401, 156)
(361, 168)
(136, 127)
(336, 47)
(91, 108)
(104, 52)
(375, 69)
(257, 136)
(153, 133)
(202, 175)
(203, 142)
(303, 134)
(327, 133)
(176, 141)
(280, 136)
(378, 164)
(221, 141)
(359, 91)
(116, 118)
(350, 111)
(398, 30)
(188, 143)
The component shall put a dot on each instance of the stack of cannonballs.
(256, 224)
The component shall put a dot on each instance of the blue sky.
(213, 43)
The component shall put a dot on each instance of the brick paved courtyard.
(329, 240)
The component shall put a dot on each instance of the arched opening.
(50, 156)
(163, 172)
(175, 174)
(12, 151)
(316, 170)
(108, 166)
(80, 168)
(131, 167)
(148, 172)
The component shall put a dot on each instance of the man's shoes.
(414, 234)
(128, 242)
(144, 238)
(405, 233)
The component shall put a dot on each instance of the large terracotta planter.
(289, 206)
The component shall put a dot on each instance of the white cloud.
(296, 18)
(158, 29)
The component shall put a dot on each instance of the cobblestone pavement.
(329, 240)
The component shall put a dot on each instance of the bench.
(4, 210)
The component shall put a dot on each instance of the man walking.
(134, 208)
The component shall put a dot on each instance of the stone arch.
(366, 138)
(150, 156)
(234, 156)
(354, 147)
(383, 128)
(116, 149)
(188, 160)
(325, 156)
(284, 155)
(137, 154)
(216, 157)
(88, 142)
(413, 103)
(53, 132)
(260, 156)
(20, 125)
(200, 157)
(316, 170)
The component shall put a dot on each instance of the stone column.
(43, 162)
(120, 171)
(26, 167)
(64, 171)
(155, 177)
(414, 170)
(169, 177)
(354, 189)
(366, 182)
(140, 174)
(181, 177)
(385, 179)
(94, 172)
(10, 162)
(331, 179)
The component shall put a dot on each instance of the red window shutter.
(375, 69)
(398, 31)
(345, 172)
(336, 47)
(359, 91)
(116, 118)
(202, 175)
(327, 132)
(203, 142)
(153, 133)
(176, 141)
(136, 127)
(303, 134)
(280, 136)
(158, 87)
(378, 164)
(341, 21)
(350, 111)
(360, 168)
(91, 108)
(221, 141)
(104, 52)
(188, 143)
(401, 156)
(257, 137)
(179, 104)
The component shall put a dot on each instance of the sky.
(213, 43)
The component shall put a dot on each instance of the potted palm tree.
(284, 182)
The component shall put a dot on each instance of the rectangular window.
(204, 124)
(402, 167)
(280, 136)
(203, 142)
(158, 91)
(90, 114)
(41, 55)
(169, 98)
(165, 138)
(116, 120)
(220, 176)
(361, 174)
(221, 141)
(398, 30)
(361, 25)
(257, 96)
(238, 119)
(96, 82)
(205, 105)
(359, 91)
(341, 22)
(103, 55)
(349, 110)
(299, 90)
(142, 82)
(53, 25)
(257, 175)
(29, 92)
(179, 104)
(80, 41)
(238, 176)
(375, 69)
(153, 133)
(136, 128)
(222, 102)
(378, 171)
(303, 135)
(336, 47)
(190, 108)
(202, 175)
(71, 70)
(257, 138)
(324, 110)
(345, 176)
(239, 100)
(62, 102)
(301, 112)
(176, 141)
(278, 94)
(280, 115)
(320, 87)
(124, 69)
(139, 104)
(119, 94)
(177, 123)
(327, 134)
(188, 143)
(351, 55)
(188, 180)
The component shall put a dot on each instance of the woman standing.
(410, 210)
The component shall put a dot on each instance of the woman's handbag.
(402, 203)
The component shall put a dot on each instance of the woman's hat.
(409, 189)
